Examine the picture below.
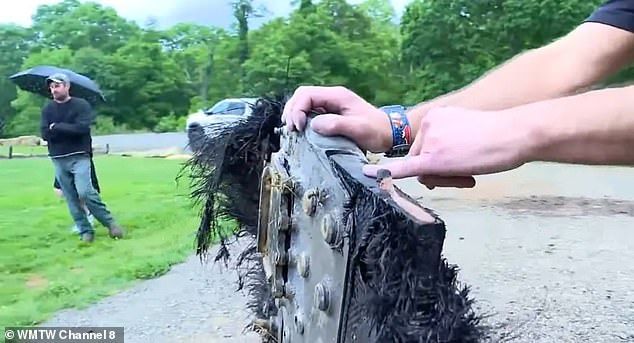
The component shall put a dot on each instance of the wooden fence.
(12, 151)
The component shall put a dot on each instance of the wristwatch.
(401, 130)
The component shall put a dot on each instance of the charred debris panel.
(331, 255)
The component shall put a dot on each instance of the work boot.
(115, 231)
(88, 237)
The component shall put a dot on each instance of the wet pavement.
(547, 249)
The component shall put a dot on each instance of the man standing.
(65, 125)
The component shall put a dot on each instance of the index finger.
(406, 167)
(308, 98)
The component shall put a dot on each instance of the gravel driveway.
(548, 251)
(193, 302)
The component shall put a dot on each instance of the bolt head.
(328, 229)
(322, 297)
(309, 207)
(303, 262)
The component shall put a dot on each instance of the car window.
(227, 107)
(219, 107)
(235, 108)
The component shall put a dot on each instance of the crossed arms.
(80, 126)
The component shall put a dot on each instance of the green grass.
(24, 150)
(45, 268)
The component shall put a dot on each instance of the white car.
(224, 111)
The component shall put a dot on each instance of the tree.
(75, 25)
(15, 44)
(449, 43)
(142, 85)
(334, 44)
(193, 48)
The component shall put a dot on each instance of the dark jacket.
(71, 132)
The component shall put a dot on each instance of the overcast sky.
(167, 12)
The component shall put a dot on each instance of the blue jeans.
(74, 176)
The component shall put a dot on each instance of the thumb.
(334, 124)
(406, 167)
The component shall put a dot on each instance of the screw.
(328, 229)
(303, 265)
(322, 297)
(309, 202)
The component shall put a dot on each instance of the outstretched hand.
(454, 144)
(451, 146)
(343, 113)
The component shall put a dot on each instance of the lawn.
(45, 268)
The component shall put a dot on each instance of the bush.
(171, 123)
(105, 125)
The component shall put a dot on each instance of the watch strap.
(401, 130)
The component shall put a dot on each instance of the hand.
(50, 127)
(453, 144)
(342, 113)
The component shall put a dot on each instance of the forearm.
(569, 65)
(72, 128)
(533, 76)
(594, 128)
(81, 123)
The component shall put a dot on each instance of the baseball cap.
(58, 77)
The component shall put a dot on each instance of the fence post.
(10, 151)
(107, 148)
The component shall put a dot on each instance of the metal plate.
(315, 270)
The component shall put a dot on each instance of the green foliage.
(76, 25)
(451, 43)
(154, 78)
(104, 125)
(171, 123)
(14, 48)
(27, 120)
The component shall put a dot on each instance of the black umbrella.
(34, 80)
